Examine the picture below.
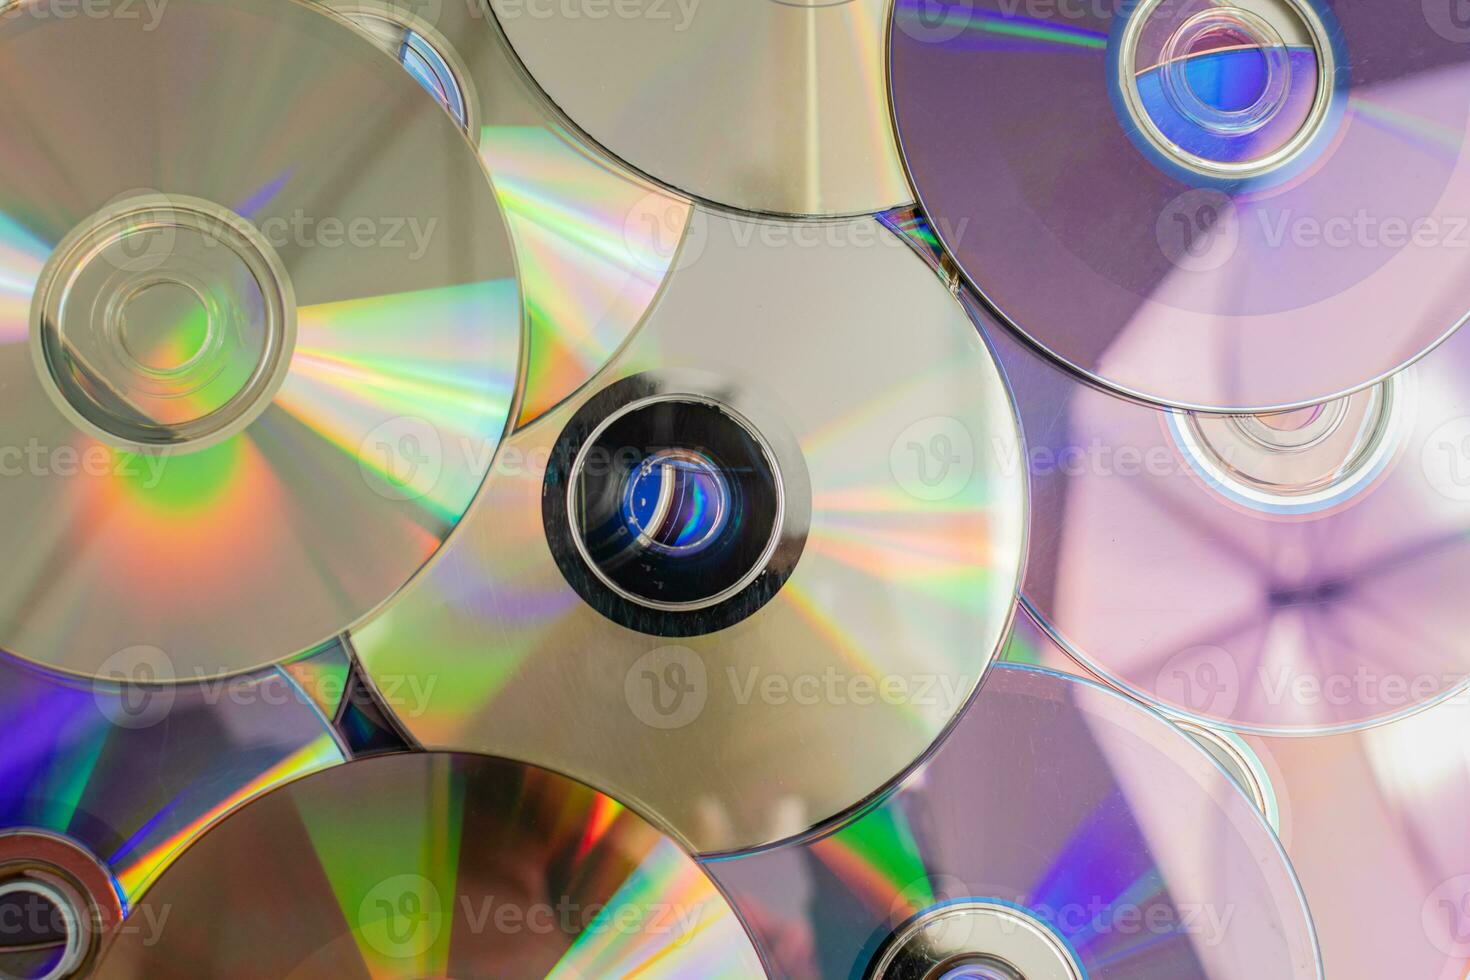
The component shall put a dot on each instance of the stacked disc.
(1243, 416)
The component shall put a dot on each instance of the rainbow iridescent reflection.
(1063, 801)
(356, 328)
(435, 865)
(134, 771)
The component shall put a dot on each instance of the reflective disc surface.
(254, 359)
(433, 865)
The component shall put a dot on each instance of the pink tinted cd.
(1392, 796)
(1060, 832)
(1278, 573)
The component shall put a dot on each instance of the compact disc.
(775, 107)
(254, 370)
(1275, 573)
(746, 576)
(593, 241)
(1059, 832)
(104, 782)
(1280, 573)
(431, 865)
(1390, 795)
(1188, 200)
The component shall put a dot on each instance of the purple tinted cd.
(1243, 206)
(1060, 832)
(104, 783)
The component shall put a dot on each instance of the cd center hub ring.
(1241, 28)
(976, 940)
(675, 504)
(1278, 433)
(1314, 455)
(1267, 28)
(54, 875)
(163, 321)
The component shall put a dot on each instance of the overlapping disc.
(751, 572)
(1279, 573)
(256, 353)
(1390, 794)
(104, 783)
(1199, 203)
(1059, 832)
(593, 242)
(433, 865)
(772, 106)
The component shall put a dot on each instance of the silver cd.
(593, 241)
(420, 865)
(774, 106)
(751, 572)
(254, 354)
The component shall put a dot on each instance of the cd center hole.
(37, 931)
(1226, 67)
(677, 501)
(980, 968)
(164, 326)
(1227, 71)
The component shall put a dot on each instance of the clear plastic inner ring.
(976, 940)
(163, 322)
(1230, 91)
(1227, 30)
(1312, 454)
